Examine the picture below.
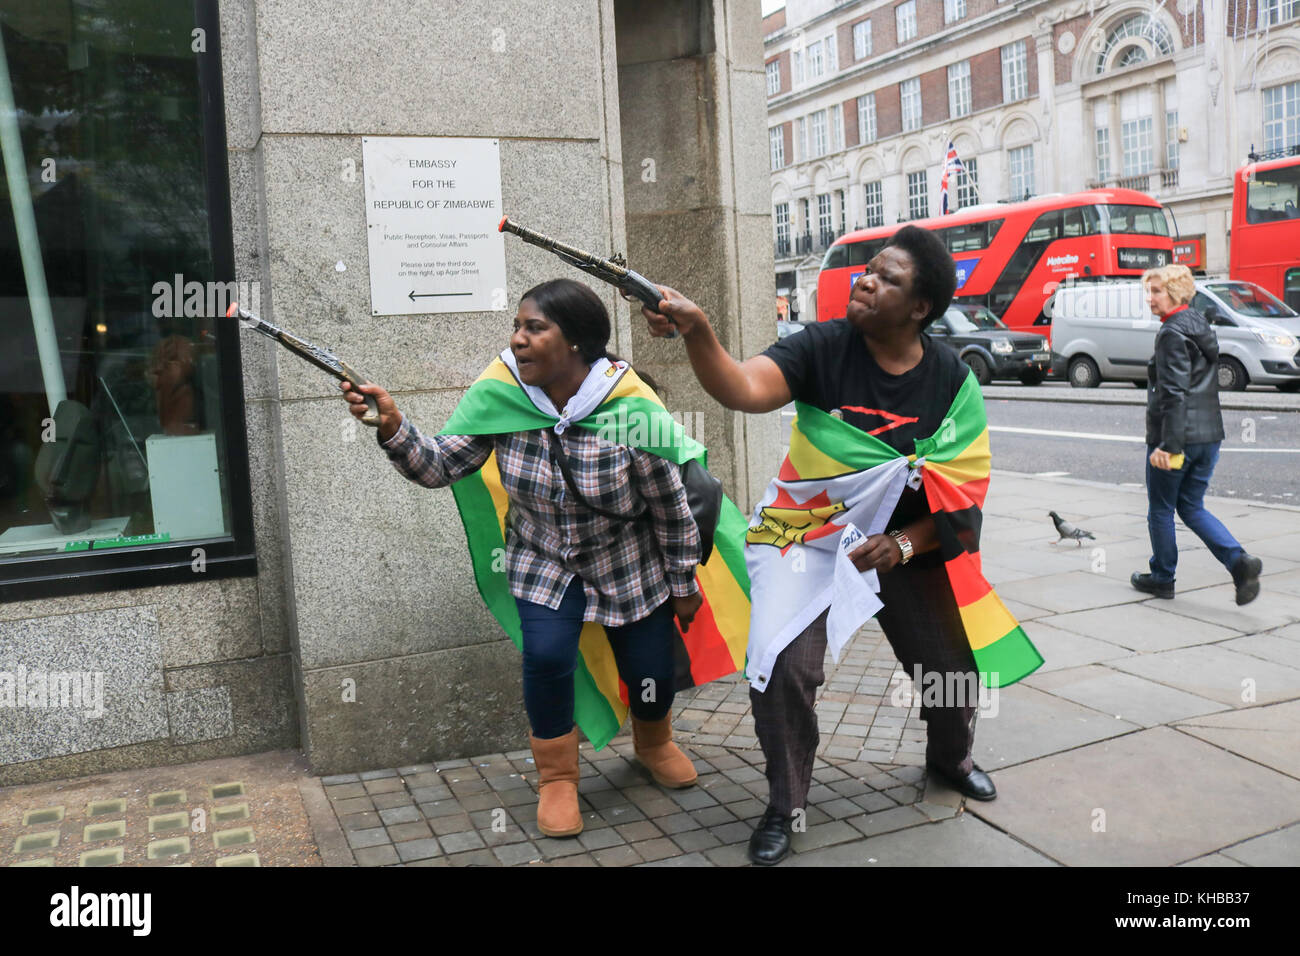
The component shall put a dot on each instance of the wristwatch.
(904, 544)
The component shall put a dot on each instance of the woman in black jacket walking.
(1184, 429)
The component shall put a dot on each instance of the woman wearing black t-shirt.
(879, 371)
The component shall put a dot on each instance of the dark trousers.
(1183, 491)
(921, 621)
(643, 650)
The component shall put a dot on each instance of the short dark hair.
(578, 311)
(935, 275)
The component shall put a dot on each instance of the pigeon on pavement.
(1067, 530)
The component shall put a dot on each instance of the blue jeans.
(1183, 491)
(643, 650)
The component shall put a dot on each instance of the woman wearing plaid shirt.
(565, 562)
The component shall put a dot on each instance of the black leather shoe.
(975, 784)
(770, 843)
(1144, 584)
(1245, 575)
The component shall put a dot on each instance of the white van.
(1103, 331)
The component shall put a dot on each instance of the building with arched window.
(1037, 97)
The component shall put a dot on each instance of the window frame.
(773, 70)
(862, 50)
(905, 15)
(776, 146)
(1025, 173)
(1015, 71)
(953, 10)
(918, 196)
(1283, 120)
(968, 181)
(904, 96)
(90, 572)
(867, 110)
(873, 204)
(955, 98)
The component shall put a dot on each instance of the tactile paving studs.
(226, 790)
(176, 846)
(105, 808)
(244, 859)
(96, 832)
(225, 838)
(45, 840)
(108, 856)
(168, 798)
(169, 821)
(48, 815)
(228, 814)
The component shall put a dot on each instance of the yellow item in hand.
(1176, 461)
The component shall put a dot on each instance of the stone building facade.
(344, 617)
(1038, 96)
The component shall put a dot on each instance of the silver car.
(1259, 335)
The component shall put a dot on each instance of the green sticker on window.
(131, 541)
(77, 546)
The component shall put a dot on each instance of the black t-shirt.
(829, 366)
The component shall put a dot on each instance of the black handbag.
(703, 496)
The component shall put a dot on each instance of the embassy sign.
(432, 208)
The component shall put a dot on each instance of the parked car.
(785, 328)
(1259, 335)
(990, 348)
(1104, 331)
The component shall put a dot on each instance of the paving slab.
(1125, 696)
(1031, 723)
(1268, 735)
(1061, 648)
(1217, 606)
(1269, 647)
(958, 841)
(1279, 848)
(1212, 859)
(1070, 591)
(1210, 670)
(1163, 797)
(1142, 627)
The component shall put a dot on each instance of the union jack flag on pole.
(951, 166)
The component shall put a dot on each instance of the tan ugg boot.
(557, 784)
(653, 743)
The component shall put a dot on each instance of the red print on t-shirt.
(893, 421)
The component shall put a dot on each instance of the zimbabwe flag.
(836, 476)
(715, 644)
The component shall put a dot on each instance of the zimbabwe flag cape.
(839, 483)
(713, 647)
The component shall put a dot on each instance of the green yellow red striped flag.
(713, 647)
(835, 471)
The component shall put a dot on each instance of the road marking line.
(1095, 436)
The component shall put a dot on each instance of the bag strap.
(557, 452)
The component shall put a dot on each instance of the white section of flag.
(789, 591)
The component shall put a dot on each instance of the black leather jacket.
(1183, 384)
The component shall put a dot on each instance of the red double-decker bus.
(1264, 247)
(1011, 256)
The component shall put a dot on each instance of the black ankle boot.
(770, 843)
(1245, 575)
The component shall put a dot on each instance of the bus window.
(836, 256)
(1274, 195)
(971, 236)
(1292, 296)
(1144, 220)
(1072, 223)
(860, 253)
(1045, 228)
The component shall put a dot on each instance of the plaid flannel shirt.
(627, 569)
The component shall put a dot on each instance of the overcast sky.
(771, 5)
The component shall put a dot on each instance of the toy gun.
(321, 358)
(614, 270)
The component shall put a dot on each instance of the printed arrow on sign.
(425, 295)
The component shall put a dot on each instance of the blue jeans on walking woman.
(643, 650)
(1183, 491)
